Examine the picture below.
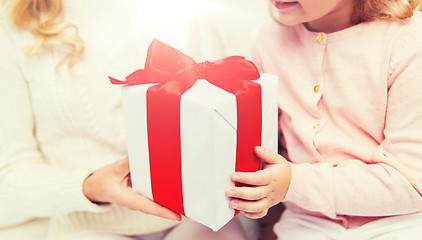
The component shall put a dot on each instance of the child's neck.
(334, 21)
(328, 26)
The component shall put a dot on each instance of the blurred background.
(210, 29)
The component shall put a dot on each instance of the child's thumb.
(267, 155)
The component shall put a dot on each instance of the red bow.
(175, 73)
(165, 64)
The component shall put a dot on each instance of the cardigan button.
(319, 37)
(316, 88)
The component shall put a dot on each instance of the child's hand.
(266, 188)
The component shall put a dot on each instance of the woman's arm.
(29, 186)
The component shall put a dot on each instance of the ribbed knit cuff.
(74, 192)
(311, 188)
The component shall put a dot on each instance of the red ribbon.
(175, 73)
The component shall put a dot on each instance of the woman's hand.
(111, 184)
(264, 188)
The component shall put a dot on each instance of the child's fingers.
(247, 193)
(255, 215)
(267, 155)
(250, 206)
(258, 178)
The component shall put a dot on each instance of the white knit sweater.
(56, 128)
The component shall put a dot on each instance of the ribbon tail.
(116, 81)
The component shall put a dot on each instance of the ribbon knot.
(202, 70)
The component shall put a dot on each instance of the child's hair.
(368, 10)
(44, 19)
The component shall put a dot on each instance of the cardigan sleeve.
(29, 186)
(391, 182)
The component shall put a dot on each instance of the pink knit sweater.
(351, 116)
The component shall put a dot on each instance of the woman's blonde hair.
(44, 19)
(368, 10)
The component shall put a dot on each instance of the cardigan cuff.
(311, 188)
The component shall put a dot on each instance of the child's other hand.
(265, 188)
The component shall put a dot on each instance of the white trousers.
(294, 226)
(187, 230)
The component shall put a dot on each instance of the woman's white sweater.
(56, 127)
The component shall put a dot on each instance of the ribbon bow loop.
(167, 62)
(235, 68)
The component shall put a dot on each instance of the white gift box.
(208, 144)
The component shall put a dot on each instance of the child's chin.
(287, 22)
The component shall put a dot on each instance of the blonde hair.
(369, 10)
(44, 19)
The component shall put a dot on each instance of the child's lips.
(281, 5)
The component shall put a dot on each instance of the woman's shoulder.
(4, 15)
(6, 26)
(5, 19)
(6, 30)
(9, 34)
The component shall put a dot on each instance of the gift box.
(190, 126)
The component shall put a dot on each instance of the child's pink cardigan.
(351, 116)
